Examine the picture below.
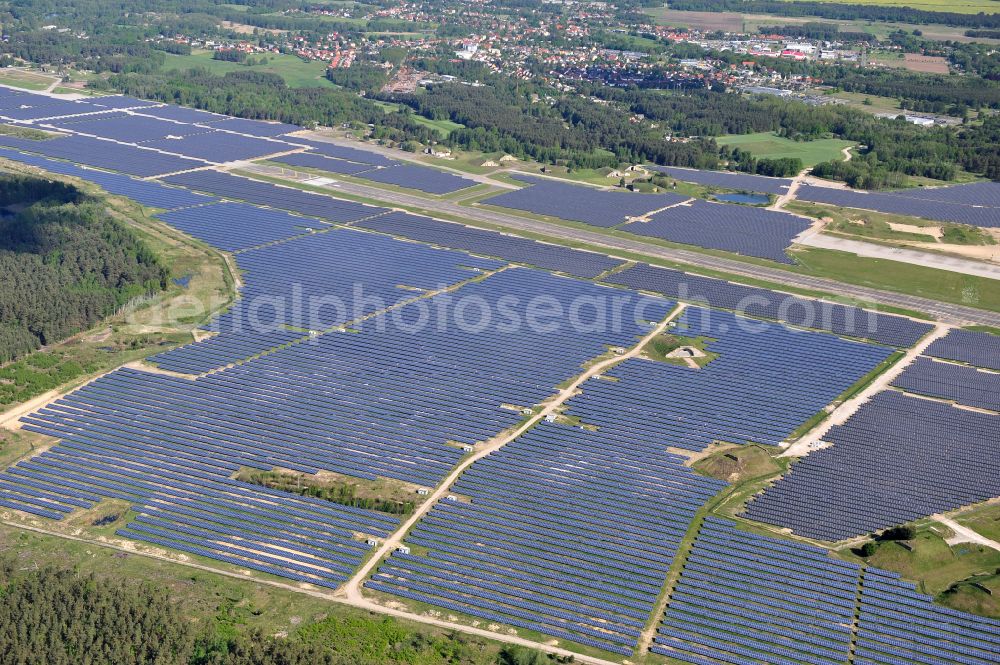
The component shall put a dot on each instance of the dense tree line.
(46, 46)
(59, 617)
(64, 263)
(265, 96)
(509, 117)
(813, 30)
(56, 617)
(840, 11)
(361, 76)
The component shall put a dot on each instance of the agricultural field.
(735, 22)
(959, 6)
(769, 145)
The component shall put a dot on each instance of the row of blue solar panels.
(727, 179)
(238, 226)
(394, 400)
(275, 196)
(564, 531)
(579, 203)
(976, 194)
(762, 303)
(220, 147)
(959, 383)
(105, 154)
(743, 598)
(119, 102)
(412, 176)
(943, 209)
(981, 349)
(311, 283)
(422, 178)
(126, 128)
(26, 106)
(733, 228)
(492, 243)
(346, 153)
(896, 624)
(895, 460)
(322, 163)
(146, 192)
(261, 128)
(760, 388)
(181, 114)
(175, 471)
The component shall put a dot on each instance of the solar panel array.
(740, 229)
(347, 153)
(146, 192)
(898, 625)
(980, 194)
(412, 176)
(762, 303)
(275, 196)
(954, 208)
(760, 388)
(181, 114)
(328, 164)
(24, 106)
(314, 283)
(143, 439)
(383, 402)
(261, 128)
(220, 147)
(976, 348)
(238, 226)
(422, 178)
(896, 459)
(727, 179)
(128, 128)
(119, 102)
(103, 154)
(959, 383)
(581, 204)
(744, 598)
(491, 243)
(564, 531)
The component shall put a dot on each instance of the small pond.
(748, 199)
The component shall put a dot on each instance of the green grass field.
(296, 72)
(27, 80)
(766, 144)
(442, 127)
(915, 280)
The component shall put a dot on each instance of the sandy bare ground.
(964, 534)
(913, 255)
(839, 416)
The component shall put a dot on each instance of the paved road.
(944, 312)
